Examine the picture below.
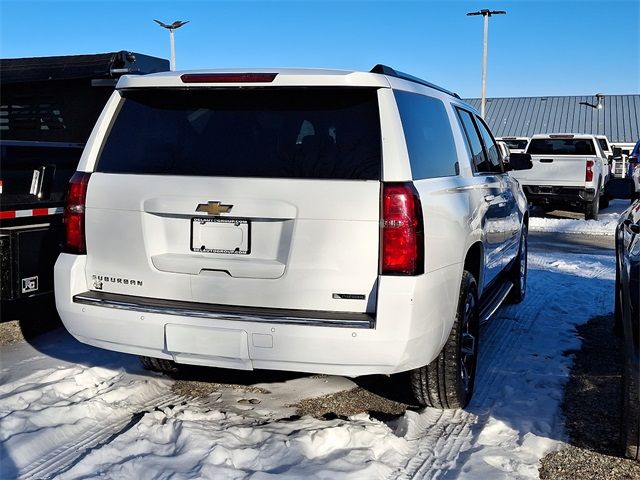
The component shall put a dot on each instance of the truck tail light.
(73, 216)
(228, 77)
(402, 231)
(588, 174)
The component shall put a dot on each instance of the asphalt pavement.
(544, 242)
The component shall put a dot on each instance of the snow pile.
(56, 408)
(202, 443)
(605, 225)
(71, 411)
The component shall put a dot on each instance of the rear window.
(328, 133)
(516, 144)
(561, 146)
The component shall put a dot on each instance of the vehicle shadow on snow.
(8, 469)
(548, 367)
(384, 398)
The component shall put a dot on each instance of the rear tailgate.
(560, 170)
(258, 198)
(558, 160)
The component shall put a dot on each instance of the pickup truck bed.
(568, 170)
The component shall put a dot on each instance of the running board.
(493, 302)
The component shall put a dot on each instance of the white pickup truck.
(568, 169)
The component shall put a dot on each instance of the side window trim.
(474, 167)
(484, 144)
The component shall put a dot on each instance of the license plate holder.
(229, 236)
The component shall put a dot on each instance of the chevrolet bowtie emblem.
(213, 208)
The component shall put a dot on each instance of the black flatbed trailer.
(48, 106)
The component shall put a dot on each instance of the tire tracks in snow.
(440, 443)
(67, 455)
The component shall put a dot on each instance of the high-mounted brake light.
(228, 77)
(73, 216)
(402, 232)
(588, 174)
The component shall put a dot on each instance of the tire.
(604, 201)
(592, 208)
(161, 365)
(448, 381)
(630, 422)
(518, 273)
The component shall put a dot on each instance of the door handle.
(546, 160)
(489, 198)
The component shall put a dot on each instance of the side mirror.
(520, 161)
(622, 188)
(617, 152)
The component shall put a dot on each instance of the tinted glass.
(603, 144)
(432, 151)
(480, 162)
(491, 147)
(284, 133)
(516, 144)
(561, 146)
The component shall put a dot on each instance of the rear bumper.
(546, 194)
(408, 330)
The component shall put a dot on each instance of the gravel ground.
(23, 320)
(350, 402)
(197, 389)
(591, 406)
(10, 332)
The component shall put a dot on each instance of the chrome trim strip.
(484, 317)
(118, 302)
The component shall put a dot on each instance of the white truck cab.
(568, 169)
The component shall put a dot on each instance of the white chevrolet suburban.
(322, 221)
(568, 169)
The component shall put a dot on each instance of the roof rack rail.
(385, 70)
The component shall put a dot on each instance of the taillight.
(588, 174)
(73, 216)
(402, 236)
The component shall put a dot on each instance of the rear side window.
(603, 144)
(480, 162)
(427, 131)
(561, 146)
(329, 133)
(490, 147)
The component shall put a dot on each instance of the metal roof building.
(618, 119)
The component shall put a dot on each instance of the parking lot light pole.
(175, 25)
(486, 14)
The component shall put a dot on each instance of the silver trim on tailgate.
(225, 312)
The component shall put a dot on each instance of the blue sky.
(538, 48)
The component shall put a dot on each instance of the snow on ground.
(605, 225)
(71, 411)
